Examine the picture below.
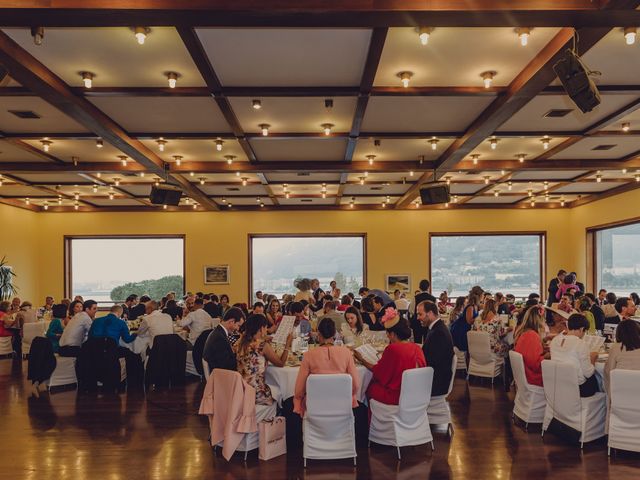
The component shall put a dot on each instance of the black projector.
(165, 195)
(576, 82)
(434, 193)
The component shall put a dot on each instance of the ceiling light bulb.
(237, 174)
(599, 178)
(141, 34)
(224, 200)
(230, 159)
(230, 205)
(76, 206)
(38, 35)
(258, 199)
(46, 144)
(630, 35)
(161, 143)
(424, 33)
(624, 171)
(99, 144)
(562, 202)
(545, 142)
(434, 143)
(475, 157)
(327, 128)
(261, 204)
(487, 78)
(362, 180)
(123, 160)
(530, 193)
(156, 182)
(46, 205)
(455, 199)
(546, 184)
(286, 194)
(116, 181)
(164, 207)
(192, 174)
(626, 126)
(637, 177)
(264, 127)
(178, 159)
(244, 181)
(521, 157)
(219, 144)
(173, 79)
(486, 180)
(371, 158)
(87, 79)
(546, 197)
(95, 189)
(411, 173)
(60, 200)
(366, 174)
(257, 104)
(496, 193)
(448, 180)
(494, 143)
(202, 180)
(76, 196)
(324, 194)
(384, 205)
(141, 174)
(533, 202)
(523, 35)
(405, 77)
(351, 204)
(27, 201)
(195, 206)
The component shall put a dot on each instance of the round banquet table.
(284, 380)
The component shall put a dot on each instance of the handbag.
(273, 438)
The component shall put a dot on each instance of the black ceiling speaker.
(434, 193)
(165, 195)
(576, 81)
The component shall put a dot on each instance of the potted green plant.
(7, 288)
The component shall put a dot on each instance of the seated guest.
(154, 322)
(400, 355)
(345, 303)
(368, 315)
(26, 314)
(172, 309)
(139, 309)
(198, 321)
(5, 321)
(112, 326)
(77, 329)
(490, 323)
(528, 343)
(502, 307)
(570, 348)
(15, 306)
(297, 310)
(75, 307)
(565, 304)
(218, 351)
(584, 307)
(353, 326)
(354, 302)
(602, 294)
(274, 314)
(330, 312)
(258, 308)
(128, 304)
(437, 347)
(624, 354)
(46, 308)
(212, 307)
(253, 353)
(443, 303)
(596, 311)
(635, 298)
(461, 326)
(56, 328)
(225, 305)
(625, 308)
(609, 307)
(458, 307)
(325, 359)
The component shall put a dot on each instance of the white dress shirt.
(571, 349)
(76, 331)
(402, 304)
(156, 323)
(198, 321)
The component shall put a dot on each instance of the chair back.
(167, 361)
(415, 393)
(329, 395)
(31, 331)
(517, 366)
(561, 389)
(479, 347)
(625, 391)
(198, 349)
(454, 364)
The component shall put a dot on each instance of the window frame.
(592, 249)
(542, 234)
(68, 241)
(251, 236)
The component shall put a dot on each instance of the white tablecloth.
(600, 375)
(139, 345)
(284, 379)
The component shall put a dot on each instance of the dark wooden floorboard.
(160, 436)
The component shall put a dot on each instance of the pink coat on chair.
(234, 404)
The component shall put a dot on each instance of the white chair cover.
(328, 425)
(438, 410)
(586, 415)
(64, 373)
(530, 403)
(461, 359)
(482, 361)
(5, 346)
(29, 332)
(407, 423)
(624, 415)
(190, 367)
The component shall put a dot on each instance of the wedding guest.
(304, 290)
(253, 353)
(197, 321)
(112, 326)
(274, 315)
(330, 312)
(369, 317)
(437, 347)
(353, 326)
(462, 325)
(56, 328)
(224, 303)
(345, 303)
(400, 355)
(625, 353)
(5, 321)
(46, 308)
(76, 331)
(218, 351)
(528, 343)
(258, 308)
(490, 323)
(297, 310)
(154, 322)
(326, 358)
(75, 307)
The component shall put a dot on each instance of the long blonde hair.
(489, 307)
(533, 320)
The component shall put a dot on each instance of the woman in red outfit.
(528, 343)
(400, 355)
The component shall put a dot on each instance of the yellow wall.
(18, 242)
(397, 241)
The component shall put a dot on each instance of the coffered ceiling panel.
(113, 55)
(600, 147)
(85, 150)
(508, 148)
(286, 57)
(422, 114)
(548, 174)
(295, 114)
(408, 149)
(618, 63)
(587, 187)
(230, 190)
(164, 114)
(312, 150)
(50, 118)
(197, 150)
(457, 56)
(393, 189)
(11, 153)
(302, 177)
(490, 199)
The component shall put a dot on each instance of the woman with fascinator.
(400, 355)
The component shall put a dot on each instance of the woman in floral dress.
(490, 323)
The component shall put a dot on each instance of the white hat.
(562, 313)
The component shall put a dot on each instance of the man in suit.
(554, 285)
(596, 310)
(217, 349)
(437, 348)
(423, 296)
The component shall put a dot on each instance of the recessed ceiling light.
(405, 77)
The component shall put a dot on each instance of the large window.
(108, 269)
(617, 259)
(498, 263)
(276, 261)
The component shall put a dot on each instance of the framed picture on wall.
(216, 275)
(400, 282)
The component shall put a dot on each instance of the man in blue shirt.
(112, 326)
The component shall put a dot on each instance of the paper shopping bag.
(273, 440)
